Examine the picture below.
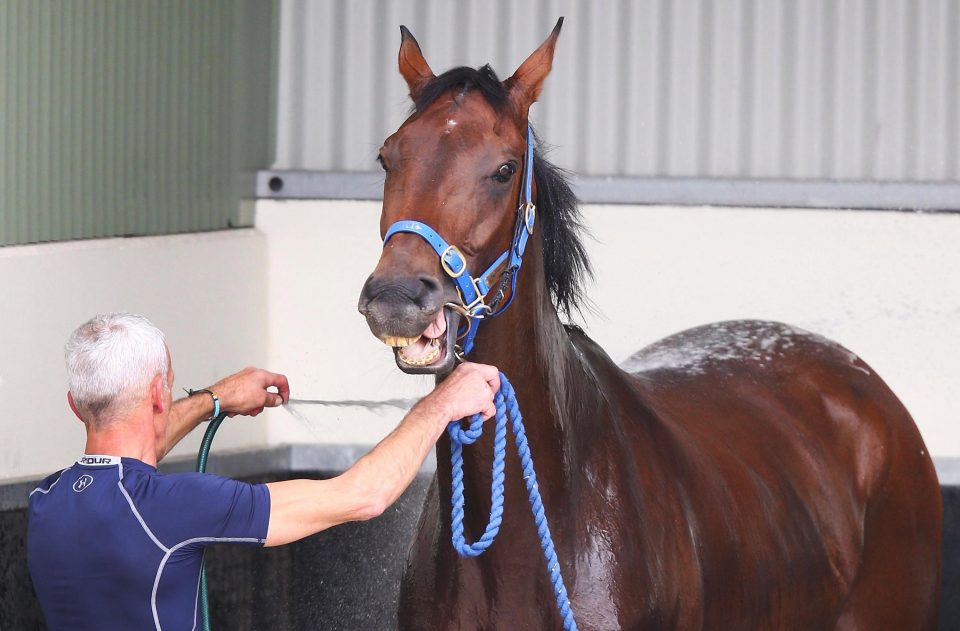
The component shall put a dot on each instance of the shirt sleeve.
(212, 509)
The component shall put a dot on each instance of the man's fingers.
(491, 379)
(282, 385)
(469, 390)
(489, 412)
(278, 381)
(491, 374)
(249, 391)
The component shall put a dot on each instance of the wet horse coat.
(742, 475)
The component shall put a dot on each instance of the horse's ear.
(413, 66)
(525, 84)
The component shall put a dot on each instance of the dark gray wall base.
(343, 578)
(346, 578)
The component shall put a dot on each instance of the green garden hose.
(202, 467)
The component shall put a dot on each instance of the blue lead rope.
(506, 404)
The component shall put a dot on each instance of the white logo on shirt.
(82, 483)
(97, 460)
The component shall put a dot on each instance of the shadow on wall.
(345, 579)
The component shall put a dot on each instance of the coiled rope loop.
(506, 405)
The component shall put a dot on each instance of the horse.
(743, 475)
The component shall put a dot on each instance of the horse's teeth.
(425, 360)
(398, 341)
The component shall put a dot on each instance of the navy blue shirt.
(112, 544)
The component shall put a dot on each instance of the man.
(112, 544)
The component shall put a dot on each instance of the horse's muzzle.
(408, 315)
(400, 307)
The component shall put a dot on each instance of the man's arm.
(242, 393)
(299, 508)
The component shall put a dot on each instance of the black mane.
(565, 259)
(558, 214)
(483, 79)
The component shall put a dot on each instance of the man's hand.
(467, 391)
(246, 392)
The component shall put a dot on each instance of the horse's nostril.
(430, 289)
(363, 305)
(430, 284)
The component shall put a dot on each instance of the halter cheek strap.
(474, 290)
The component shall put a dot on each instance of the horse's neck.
(530, 345)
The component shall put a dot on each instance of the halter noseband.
(474, 290)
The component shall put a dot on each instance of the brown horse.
(737, 476)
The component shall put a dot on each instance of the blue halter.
(474, 290)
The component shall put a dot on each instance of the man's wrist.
(432, 412)
(214, 399)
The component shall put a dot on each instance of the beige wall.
(885, 284)
(320, 254)
(206, 291)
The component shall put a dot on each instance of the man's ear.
(73, 406)
(157, 399)
(526, 83)
(413, 66)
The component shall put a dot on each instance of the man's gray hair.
(111, 361)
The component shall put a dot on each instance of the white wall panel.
(884, 284)
(207, 292)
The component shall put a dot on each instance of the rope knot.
(466, 436)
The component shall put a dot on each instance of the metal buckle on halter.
(452, 249)
(466, 315)
(475, 308)
(529, 216)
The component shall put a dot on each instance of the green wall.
(131, 118)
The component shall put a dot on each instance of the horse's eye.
(505, 172)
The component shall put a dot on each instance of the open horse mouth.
(432, 352)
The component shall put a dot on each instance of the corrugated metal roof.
(856, 90)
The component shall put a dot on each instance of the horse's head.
(456, 166)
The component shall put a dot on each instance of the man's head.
(117, 362)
